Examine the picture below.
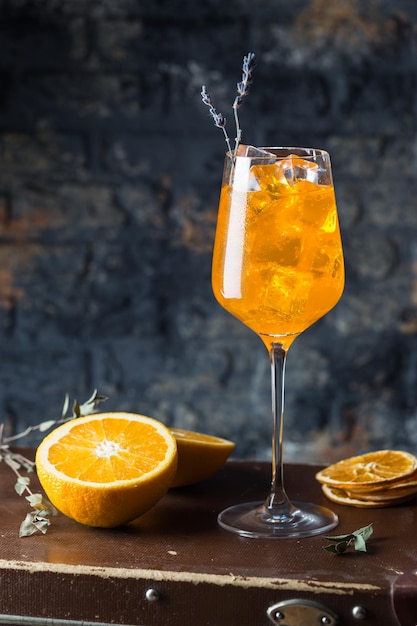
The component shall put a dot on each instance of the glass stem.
(278, 503)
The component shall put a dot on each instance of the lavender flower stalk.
(218, 118)
(242, 91)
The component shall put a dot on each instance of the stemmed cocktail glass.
(277, 267)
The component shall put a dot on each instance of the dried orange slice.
(383, 496)
(107, 469)
(394, 487)
(369, 471)
(341, 497)
(199, 456)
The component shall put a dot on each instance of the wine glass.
(278, 267)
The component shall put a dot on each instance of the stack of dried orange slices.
(376, 479)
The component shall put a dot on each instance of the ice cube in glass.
(295, 168)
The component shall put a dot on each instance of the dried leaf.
(42, 524)
(76, 409)
(27, 527)
(11, 462)
(22, 484)
(37, 520)
(46, 425)
(32, 524)
(28, 465)
(35, 499)
(90, 406)
(360, 543)
(340, 543)
(41, 504)
(365, 532)
(66, 405)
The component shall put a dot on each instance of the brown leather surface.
(178, 548)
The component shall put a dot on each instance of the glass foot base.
(254, 519)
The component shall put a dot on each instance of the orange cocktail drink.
(278, 263)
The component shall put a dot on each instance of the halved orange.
(107, 469)
(199, 456)
(369, 471)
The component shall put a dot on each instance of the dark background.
(109, 178)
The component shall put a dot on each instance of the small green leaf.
(331, 548)
(33, 523)
(21, 485)
(337, 548)
(340, 543)
(41, 524)
(35, 499)
(365, 532)
(360, 543)
(90, 405)
(46, 425)
(66, 405)
(27, 527)
(22, 461)
(11, 462)
(342, 546)
(41, 504)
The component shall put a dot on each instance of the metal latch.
(301, 613)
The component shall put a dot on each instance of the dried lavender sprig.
(243, 90)
(218, 118)
(37, 519)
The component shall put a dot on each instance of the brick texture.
(109, 178)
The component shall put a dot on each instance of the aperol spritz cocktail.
(278, 267)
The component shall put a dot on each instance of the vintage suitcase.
(176, 567)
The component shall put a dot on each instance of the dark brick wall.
(109, 179)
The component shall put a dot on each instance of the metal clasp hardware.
(301, 613)
(152, 595)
